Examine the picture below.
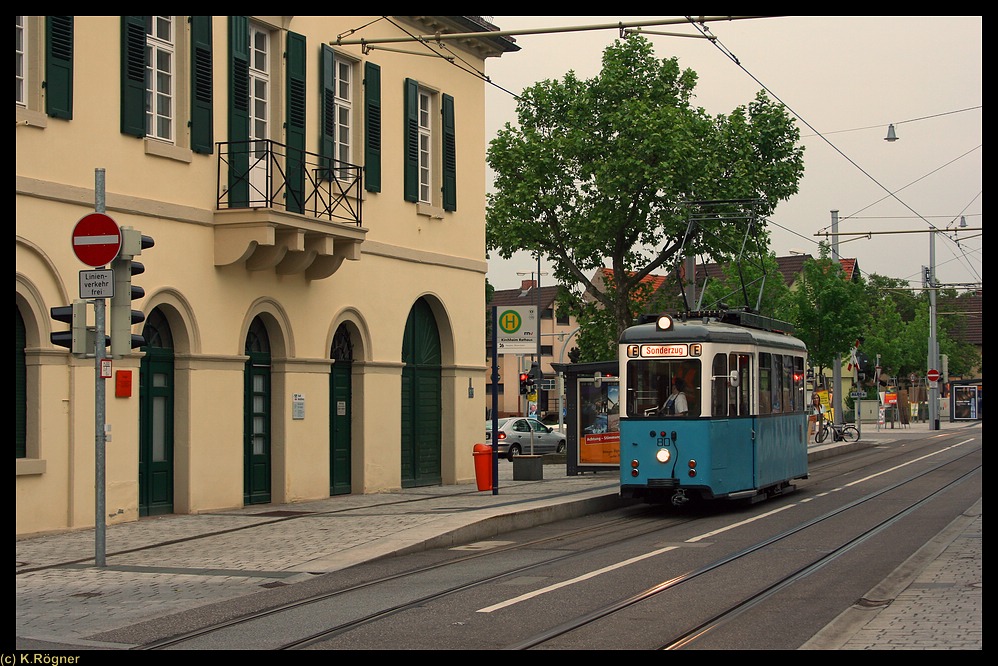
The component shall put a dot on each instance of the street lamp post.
(933, 341)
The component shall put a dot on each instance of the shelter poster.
(599, 422)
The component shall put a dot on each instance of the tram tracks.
(691, 635)
(617, 531)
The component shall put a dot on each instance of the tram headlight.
(663, 455)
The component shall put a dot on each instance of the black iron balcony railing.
(267, 174)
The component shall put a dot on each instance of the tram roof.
(710, 330)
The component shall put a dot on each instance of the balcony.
(286, 210)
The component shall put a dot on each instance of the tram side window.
(788, 385)
(776, 395)
(739, 396)
(765, 383)
(719, 388)
(799, 383)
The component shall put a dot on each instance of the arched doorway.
(20, 387)
(256, 414)
(340, 409)
(156, 393)
(421, 402)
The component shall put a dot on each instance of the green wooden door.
(421, 402)
(156, 394)
(340, 412)
(156, 432)
(339, 428)
(256, 411)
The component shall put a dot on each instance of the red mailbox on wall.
(123, 384)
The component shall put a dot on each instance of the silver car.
(517, 434)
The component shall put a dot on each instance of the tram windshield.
(654, 387)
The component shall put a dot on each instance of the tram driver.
(676, 404)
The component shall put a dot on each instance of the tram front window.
(650, 384)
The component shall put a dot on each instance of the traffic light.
(123, 317)
(523, 383)
(534, 377)
(78, 339)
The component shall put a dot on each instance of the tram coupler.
(680, 498)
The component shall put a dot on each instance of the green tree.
(828, 312)
(600, 172)
(897, 329)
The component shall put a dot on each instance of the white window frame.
(426, 117)
(21, 80)
(343, 115)
(260, 94)
(161, 78)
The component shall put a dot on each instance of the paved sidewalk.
(933, 601)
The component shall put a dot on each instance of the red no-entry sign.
(96, 239)
(932, 375)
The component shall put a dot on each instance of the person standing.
(817, 414)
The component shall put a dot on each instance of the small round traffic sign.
(96, 239)
(932, 375)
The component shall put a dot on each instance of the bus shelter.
(592, 415)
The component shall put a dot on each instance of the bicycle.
(845, 432)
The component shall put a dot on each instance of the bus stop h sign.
(96, 239)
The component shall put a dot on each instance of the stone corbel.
(326, 264)
(300, 253)
(237, 243)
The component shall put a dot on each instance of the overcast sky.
(845, 79)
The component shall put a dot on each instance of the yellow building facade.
(312, 309)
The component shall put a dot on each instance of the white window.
(259, 109)
(343, 114)
(20, 64)
(425, 146)
(160, 77)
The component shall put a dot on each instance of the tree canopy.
(601, 172)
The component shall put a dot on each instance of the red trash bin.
(483, 466)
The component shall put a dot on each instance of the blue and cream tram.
(745, 433)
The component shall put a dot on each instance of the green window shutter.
(238, 111)
(296, 58)
(449, 187)
(411, 165)
(59, 66)
(202, 136)
(372, 127)
(133, 75)
(327, 123)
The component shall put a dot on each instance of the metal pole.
(495, 400)
(837, 364)
(933, 341)
(100, 417)
(876, 387)
(540, 372)
(538, 311)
